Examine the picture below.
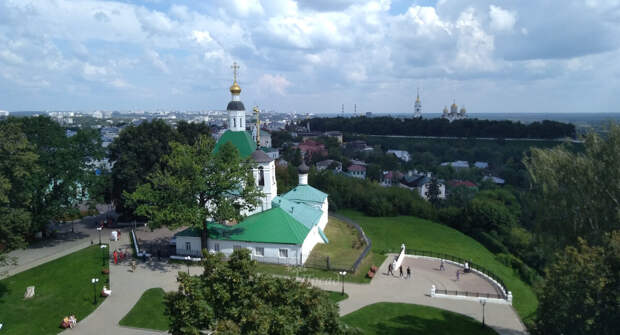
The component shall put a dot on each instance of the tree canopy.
(232, 298)
(582, 290)
(193, 184)
(578, 193)
(138, 150)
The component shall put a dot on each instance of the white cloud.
(501, 19)
(474, 46)
(274, 83)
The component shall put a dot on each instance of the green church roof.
(271, 226)
(305, 193)
(240, 139)
(309, 216)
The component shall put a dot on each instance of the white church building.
(281, 229)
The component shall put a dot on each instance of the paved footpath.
(387, 288)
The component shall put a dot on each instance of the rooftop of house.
(466, 183)
(274, 225)
(309, 216)
(305, 193)
(356, 167)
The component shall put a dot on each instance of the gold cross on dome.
(235, 67)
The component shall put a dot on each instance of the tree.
(194, 184)
(232, 298)
(578, 193)
(136, 153)
(17, 164)
(582, 290)
(433, 192)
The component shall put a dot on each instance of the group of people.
(119, 255)
(400, 270)
(69, 321)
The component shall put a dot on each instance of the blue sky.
(508, 56)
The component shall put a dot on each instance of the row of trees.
(441, 127)
(44, 174)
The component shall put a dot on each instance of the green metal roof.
(305, 193)
(191, 231)
(240, 139)
(309, 216)
(271, 226)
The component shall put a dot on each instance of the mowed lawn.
(342, 251)
(344, 246)
(148, 312)
(387, 234)
(395, 319)
(62, 287)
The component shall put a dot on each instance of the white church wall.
(311, 240)
(324, 217)
(270, 251)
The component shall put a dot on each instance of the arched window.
(234, 123)
(261, 176)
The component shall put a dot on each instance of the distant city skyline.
(311, 56)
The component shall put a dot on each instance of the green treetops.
(578, 193)
(194, 185)
(582, 290)
(232, 298)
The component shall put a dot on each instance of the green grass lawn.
(344, 246)
(62, 287)
(336, 297)
(391, 318)
(387, 233)
(148, 312)
(340, 249)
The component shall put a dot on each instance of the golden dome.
(235, 88)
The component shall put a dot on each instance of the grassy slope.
(62, 287)
(340, 250)
(148, 312)
(340, 247)
(387, 233)
(391, 318)
(335, 297)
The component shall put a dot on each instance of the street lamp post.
(342, 274)
(103, 254)
(94, 281)
(188, 259)
(99, 230)
(483, 302)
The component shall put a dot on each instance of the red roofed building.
(465, 183)
(310, 148)
(357, 171)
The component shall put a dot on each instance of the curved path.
(387, 288)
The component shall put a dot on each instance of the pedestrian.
(400, 269)
(408, 272)
(133, 265)
(442, 267)
(115, 257)
(458, 274)
(390, 269)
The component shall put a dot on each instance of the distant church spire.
(417, 107)
(235, 108)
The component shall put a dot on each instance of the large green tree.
(62, 179)
(578, 193)
(194, 184)
(17, 164)
(232, 298)
(581, 294)
(138, 151)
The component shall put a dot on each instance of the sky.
(311, 56)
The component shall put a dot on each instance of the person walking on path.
(442, 267)
(115, 257)
(390, 269)
(400, 269)
(458, 274)
(408, 273)
(133, 265)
